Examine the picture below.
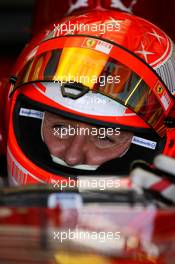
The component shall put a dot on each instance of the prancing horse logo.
(114, 3)
(76, 5)
(119, 5)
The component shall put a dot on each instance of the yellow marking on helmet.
(74, 258)
(160, 89)
(37, 68)
(26, 76)
(80, 65)
(135, 88)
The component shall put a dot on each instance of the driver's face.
(82, 148)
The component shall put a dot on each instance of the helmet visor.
(102, 71)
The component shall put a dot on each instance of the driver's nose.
(75, 153)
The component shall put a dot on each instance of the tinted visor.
(103, 72)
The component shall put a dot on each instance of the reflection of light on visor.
(80, 166)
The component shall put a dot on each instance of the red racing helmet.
(105, 68)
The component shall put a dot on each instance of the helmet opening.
(27, 128)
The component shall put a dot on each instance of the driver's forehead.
(49, 118)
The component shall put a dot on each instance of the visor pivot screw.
(13, 79)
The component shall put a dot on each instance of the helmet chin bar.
(79, 167)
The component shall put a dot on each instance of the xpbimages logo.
(101, 80)
(101, 132)
(87, 183)
(79, 234)
(70, 28)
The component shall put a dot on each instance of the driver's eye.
(105, 138)
(60, 130)
(58, 126)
